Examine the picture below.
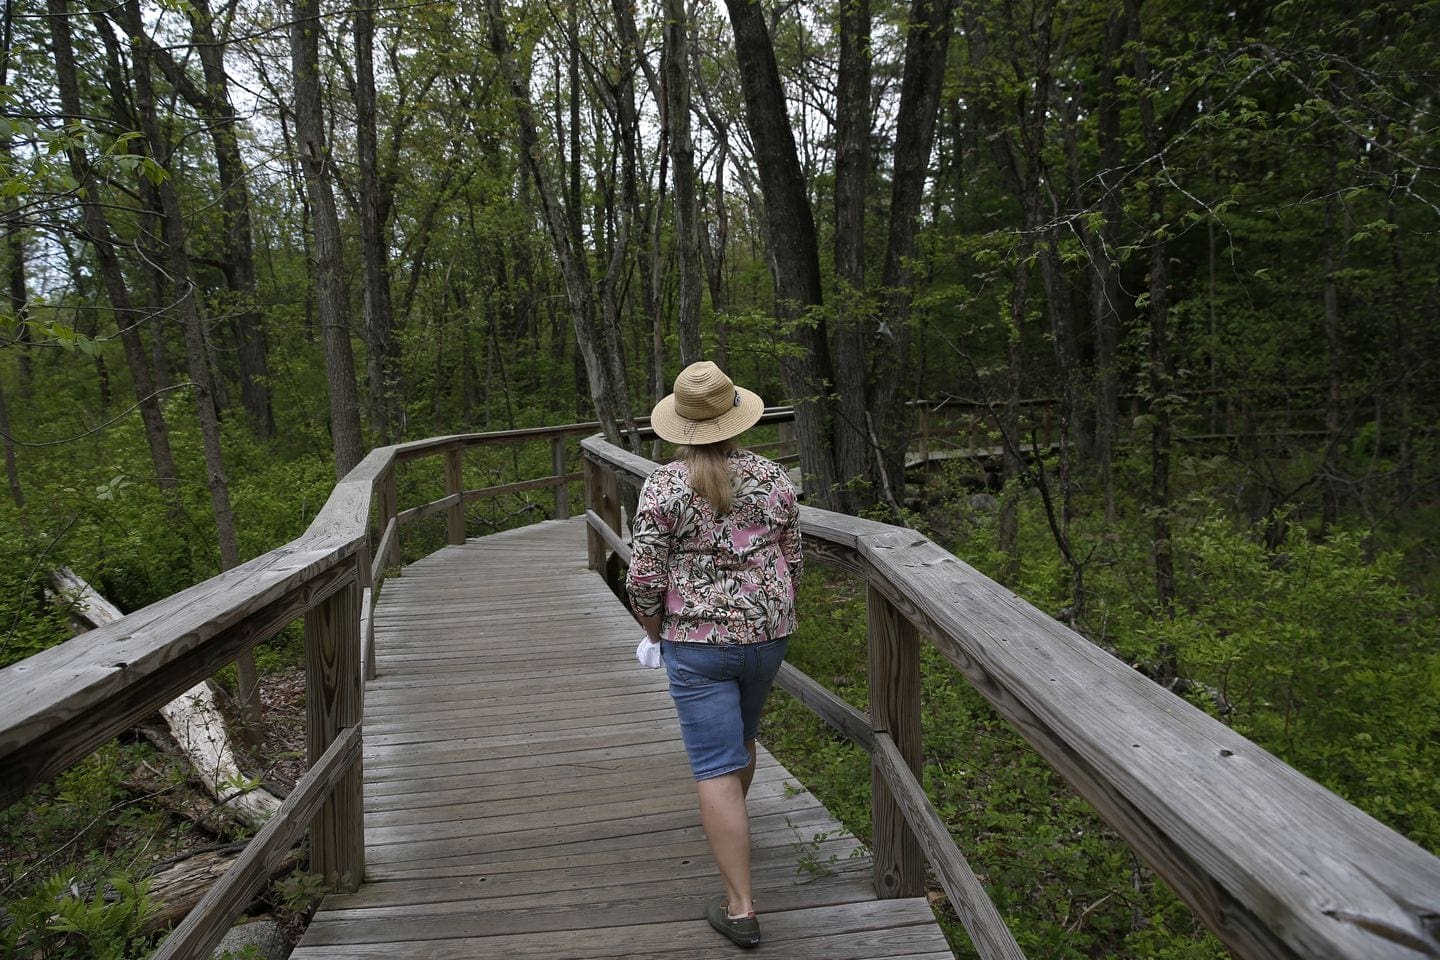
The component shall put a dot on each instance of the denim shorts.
(719, 690)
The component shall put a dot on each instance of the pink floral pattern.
(729, 579)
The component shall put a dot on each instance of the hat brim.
(669, 425)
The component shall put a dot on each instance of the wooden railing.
(1277, 866)
(63, 703)
(1274, 864)
(949, 425)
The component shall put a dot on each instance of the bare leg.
(748, 773)
(727, 827)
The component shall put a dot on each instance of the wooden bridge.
(506, 782)
(527, 794)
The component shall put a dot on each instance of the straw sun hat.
(706, 407)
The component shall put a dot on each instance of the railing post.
(389, 507)
(454, 486)
(924, 437)
(785, 438)
(899, 864)
(594, 495)
(609, 510)
(562, 489)
(333, 702)
(364, 563)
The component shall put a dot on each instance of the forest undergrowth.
(1324, 650)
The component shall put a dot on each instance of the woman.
(715, 557)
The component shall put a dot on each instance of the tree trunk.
(1159, 352)
(1011, 439)
(715, 237)
(1021, 166)
(193, 717)
(175, 887)
(620, 216)
(329, 285)
(675, 67)
(239, 259)
(1330, 265)
(854, 459)
(611, 399)
(111, 273)
(19, 309)
(187, 303)
(12, 470)
(382, 357)
(14, 239)
(650, 252)
(1400, 340)
(1104, 281)
(793, 251)
(927, 45)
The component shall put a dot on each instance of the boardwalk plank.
(527, 795)
(880, 929)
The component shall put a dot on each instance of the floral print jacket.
(718, 580)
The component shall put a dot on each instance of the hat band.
(707, 410)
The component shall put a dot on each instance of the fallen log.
(177, 885)
(193, 717)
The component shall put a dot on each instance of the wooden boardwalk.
(527, 795)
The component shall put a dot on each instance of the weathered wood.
(828, 707)
(594, 539)
(557, 467)
(64, 702)
(200, 731)
(987, 930)
(1274, 864)
(201, 931)
(611, 538)
(875, 931)
(894, 654)
(426, 510)
(333, 704)
(384, 551)
(178, 886)
(369, 589)
(599, 452)
(367, 632)
(526, 786)
(486, 493)
(454, 486)
(430, 446)
(387, 551)
(195, 722)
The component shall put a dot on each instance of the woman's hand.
(651, 624)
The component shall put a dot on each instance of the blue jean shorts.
(719, 690)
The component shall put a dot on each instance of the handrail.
(64, 702)
(1274, 864)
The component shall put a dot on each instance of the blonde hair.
(710, 473)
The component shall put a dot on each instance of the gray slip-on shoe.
(744, 932)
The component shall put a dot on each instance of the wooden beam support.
(333, 703)
(828, 707)
(562, 489)
(389, 507)
(894, 709)
(205, 926)
(454, 486)
(611, 538)
(594, 494)
(989, 934)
